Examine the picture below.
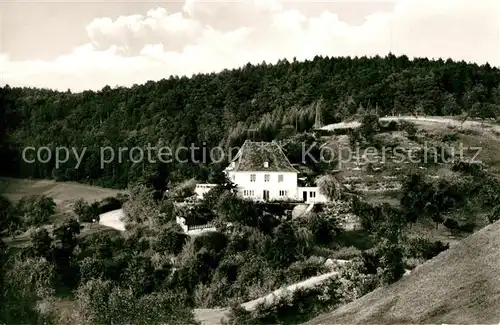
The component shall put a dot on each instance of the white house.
(262, 171)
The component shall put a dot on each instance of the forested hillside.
(214, 109)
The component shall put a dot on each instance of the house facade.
(261, 171)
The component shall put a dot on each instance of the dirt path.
(213, 316)
(425, 120)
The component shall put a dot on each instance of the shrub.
(9, 219)
(423, 248)
(409, 127)
(169, 241)
(330, 187)
(369, 126)
(494, 215)
(290, 307)
(451, 224)
(468, 227)
(109, 204)
(449, 138)
(183, 190)
(86, 212)
(391, 267)
(323, 228)
(41, 243)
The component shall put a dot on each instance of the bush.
(86, 212)
(468, 227)
(391, 267)
(330, 187)
(183, 190)
(324, 228)
(169, 241)
(449, 138)
(9, 220)
(369, 126)
(494, 215)
(409, 127)
(422, 248)
(291, 307)
(451, 224)
(109, 204)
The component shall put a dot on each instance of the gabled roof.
(252, 156)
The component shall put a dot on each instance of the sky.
(81, 45)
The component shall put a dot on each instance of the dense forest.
(220, 108)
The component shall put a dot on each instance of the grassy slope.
(461, 285)
(63, 193)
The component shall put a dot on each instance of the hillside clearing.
(63, 193)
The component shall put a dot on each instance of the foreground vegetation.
(153, 272)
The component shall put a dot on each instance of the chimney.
(266, 164)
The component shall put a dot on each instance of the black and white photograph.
(249, 162)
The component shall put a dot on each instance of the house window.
(283, 193)
(252, 177)
(312, 194)
(248, 193)
(267, 177)
(280, 178)
(266, 164)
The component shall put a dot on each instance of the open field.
(459, 286)
(64, 195)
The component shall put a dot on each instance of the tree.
(369, 127)
(283, 246)
(231, 100)
(41, 243)
(330, 187)
(305, 240)
(9, 220)
(91, 268)
(410, 128)
(138, 275)
(324, 227)
(169, 240)
(141, 205)
(183, 190)
(36, 209)
(286, 132)
(65, 242)
(99, 302)
(86, 212)
(391, 261)
(30, 282)
(92, 302)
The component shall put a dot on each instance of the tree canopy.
(212, 109)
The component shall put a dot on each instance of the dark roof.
(252, 155)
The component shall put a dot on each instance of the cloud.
(211, 36)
